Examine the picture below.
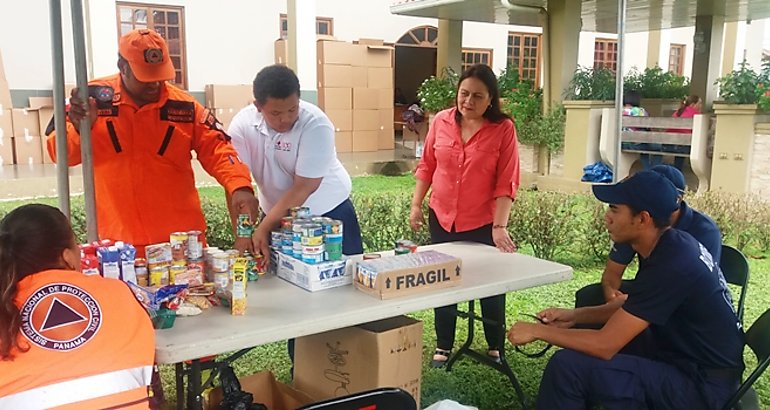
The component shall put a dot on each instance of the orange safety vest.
(91, 345)
(144, 181)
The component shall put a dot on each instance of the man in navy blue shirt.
(679, 294)
(697, 224)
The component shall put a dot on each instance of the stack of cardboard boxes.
(226, 100)
(6, 122)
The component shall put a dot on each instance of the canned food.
(333, 238)
(333, 251)
(196, 264)
(178, 241)
(368, 256)
(300, 212)
(220, 262)
(276, 238)
(403, 243)
(287, 239)
(286, 223)
(195, 244)
(221, 280)
(244, 228)
(288, 249)
(313, 258)
(312, 240)
(159, 275)
(332, 227)
(313, 249)
(312, 229)
(175, 270)
(402, 251)
(140, 266)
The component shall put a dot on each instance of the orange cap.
(147, 55)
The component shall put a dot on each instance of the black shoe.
(440, 357)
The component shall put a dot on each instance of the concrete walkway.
(33, 181)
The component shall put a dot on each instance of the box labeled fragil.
(317, 276)
(385, 353)
(407, 274)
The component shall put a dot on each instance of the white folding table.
(278, 310)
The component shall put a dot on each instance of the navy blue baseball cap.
(674, 175)
(644, 191)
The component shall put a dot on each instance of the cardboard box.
(5, 91)
(340, 52)
(379, 56)
(365, 141)
(29, 150)
(385, 118)
(228, 96)
(36, 103)
(266, 390)
(360, 77)
(341, 119)
(366, 120)
(365, 99)
(343, 141)
(225, 115)
(25, 122)
(281, 51)
(386, 353)
(385, 98)
(370, 41)
(335, 98)
(384, 278)
(422, 132)
(313, 277)
(380, 77)
(386, 139)
(330, 75)
(6, 138)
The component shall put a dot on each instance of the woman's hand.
(503, 240)
(416, 218)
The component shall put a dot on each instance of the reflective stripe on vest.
(84, 388)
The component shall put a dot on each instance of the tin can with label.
(286, 223)
(159, 275)
(333, 238)
(276, 238)
(220, 262)
(178, 241)
(175, 270)
(312, 229)
(312, 240)
(300, 212)
(221, 280)
(333, 226)
(333, 251)
(142, 275)
(196, 264)
(195, 244)
(244, 229)
(313, 258)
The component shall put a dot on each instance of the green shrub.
(219, 231)
(438, 93)
(591, 84)
(742, 85)
(384, 219)
(593, 232)
(547, 221)
(656, 83)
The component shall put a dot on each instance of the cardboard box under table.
(400, 275)
(266, 390)
(313, 277)
(385, 353)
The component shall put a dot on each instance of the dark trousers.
(351, 243)
(492, 308)
(575, 380)
(593, 294)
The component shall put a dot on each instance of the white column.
(301, 43)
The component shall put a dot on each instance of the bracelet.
(499, 227)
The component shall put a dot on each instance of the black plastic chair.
(735, 268)
(758, 339)
(387, 398)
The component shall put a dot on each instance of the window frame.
(151, 8)
(678, 66)
(476, 51)
(610, 63)
(283, 17)
(510, 46)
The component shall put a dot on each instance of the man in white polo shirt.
(289, 146)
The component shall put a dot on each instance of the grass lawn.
(470, 383)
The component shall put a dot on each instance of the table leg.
(194, 399)
(501, 367)
(179, 373)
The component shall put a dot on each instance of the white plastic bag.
(449, 405)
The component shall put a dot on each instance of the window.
(606, 53)
(676, 59)
(473, 56)
(168, 21)
(323, 25)
(524, 53)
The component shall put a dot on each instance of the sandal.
(440, 358)
(494, 354)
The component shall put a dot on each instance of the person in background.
(690, 107)
(67, 340)
(143, 130)
(471, 166)
(679, 296)
(632, 101)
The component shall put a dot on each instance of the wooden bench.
(655, 130)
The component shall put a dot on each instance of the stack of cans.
(309, 239)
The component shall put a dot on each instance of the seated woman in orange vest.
(67, 340)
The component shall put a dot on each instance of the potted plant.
(591, 84)
(662, 91)
(437, 93)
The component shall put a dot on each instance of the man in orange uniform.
(143, 131)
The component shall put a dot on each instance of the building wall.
(228, 43)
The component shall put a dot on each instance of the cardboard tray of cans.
(316, 276)
(400, 275)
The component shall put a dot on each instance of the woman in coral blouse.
(471, 166)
